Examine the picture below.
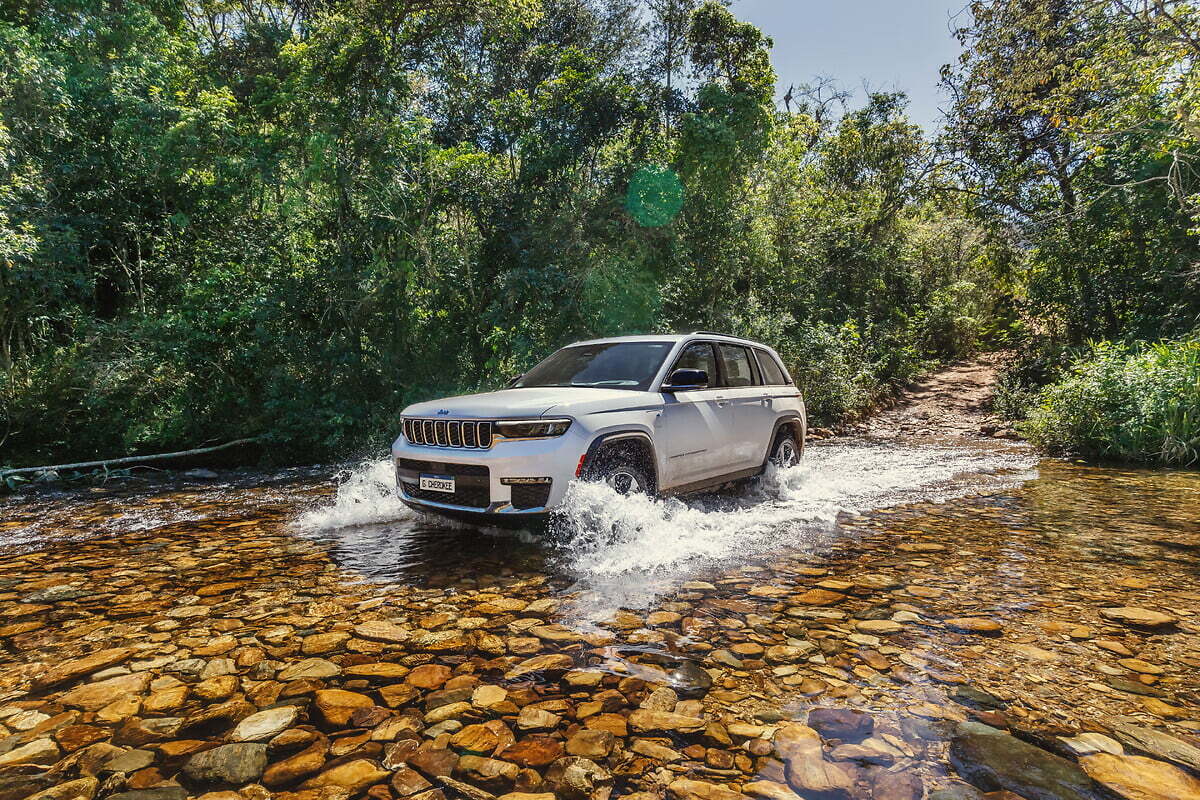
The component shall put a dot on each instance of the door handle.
(721, 402)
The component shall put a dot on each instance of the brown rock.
(433, 761)
(535, 751)
(398, 694)
(1140, 778)
(551, 663)
(354, 776)
(70, 670)
(381, 670)
(687, 789)
(490, 773)
(593, 744)
(81, 789)
(644, 721)
(805, 767)
(408, 781)
(1138, 617)
(336, 705)
(475, 739)
(220, 687)
(428, 676)
(307, 762)
(979, 625)
(820, 597)
(94, 696)
(76, 737)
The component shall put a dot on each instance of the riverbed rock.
(1138, 617)
(977, 625)
(551, 663)
(993, 760)
(95, 696)
(807, 771)
(77, 668)
(265, 724)
(1158, 744)
(317, 668)
(688, 789)
(1141, 778)
(845, 724)
(39, 751)
(645, 720)
(353, 776)
(336, 705)
(230, 763)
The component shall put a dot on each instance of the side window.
(698, 355)
(772, 374)
(735, 361)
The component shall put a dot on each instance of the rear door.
(751, 419)
(695, 425)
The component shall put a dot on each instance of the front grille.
(461, 433)
(440, 467)
(530, 495)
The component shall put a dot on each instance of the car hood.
(531, 402)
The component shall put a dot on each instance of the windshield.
(616, 365)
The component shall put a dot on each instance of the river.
(889, 619)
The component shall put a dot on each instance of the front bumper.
(481, 476)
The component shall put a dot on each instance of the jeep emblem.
(443, 412)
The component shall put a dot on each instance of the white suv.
(665, 415)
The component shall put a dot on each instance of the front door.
(695, 425)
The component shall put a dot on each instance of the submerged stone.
(993, 760)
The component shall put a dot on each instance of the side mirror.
(513, 381)
(684, 380)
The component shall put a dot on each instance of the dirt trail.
(954, 401)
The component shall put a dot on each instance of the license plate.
(438, 483)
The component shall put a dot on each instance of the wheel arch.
(636, 442)
(799, 429)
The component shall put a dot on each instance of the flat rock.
(845, 724)
(805, 767)
(336, 705)
(39, 751)
(687, 789)
(77, 668)
(553, 662)
(318, 668)
(645, 720)
(1158, 744)
(1138, 617)
(81, 789)
(977, 625)
(993, 760)
(264, 724)
(229, 763)
(354, 776)
(1140, 778)
(382, 631)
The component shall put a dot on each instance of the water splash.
(624, 551)
(365, 495)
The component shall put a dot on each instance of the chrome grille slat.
(459, 434)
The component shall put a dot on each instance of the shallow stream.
(922, 584)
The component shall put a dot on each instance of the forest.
(288, 219)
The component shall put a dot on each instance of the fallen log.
(113, 462)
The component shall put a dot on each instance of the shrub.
(1129, 402)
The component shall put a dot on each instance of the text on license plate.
(438, 483)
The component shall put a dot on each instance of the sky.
(885, 44)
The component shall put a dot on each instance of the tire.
(785, 452)
(622, 471)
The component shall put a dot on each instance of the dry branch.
(112, 462)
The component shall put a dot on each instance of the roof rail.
(714, 333)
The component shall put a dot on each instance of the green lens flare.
(655, 196)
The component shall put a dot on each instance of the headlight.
(532, 428)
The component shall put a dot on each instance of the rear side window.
(698, 355)
(772, 373)
(736, 364)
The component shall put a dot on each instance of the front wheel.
(622, 472)
(785, 452)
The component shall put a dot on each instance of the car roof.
(671, 337)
